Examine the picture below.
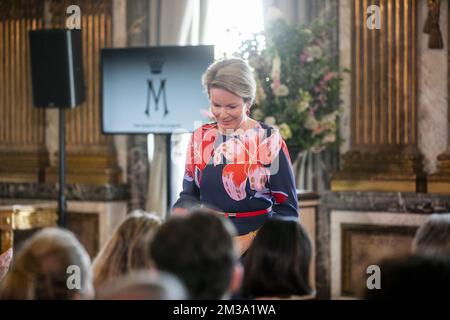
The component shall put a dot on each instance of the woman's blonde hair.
(233, 75)
(126, 250)
(41, 268)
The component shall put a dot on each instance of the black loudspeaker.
(57, 68)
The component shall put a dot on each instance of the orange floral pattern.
(248, 156)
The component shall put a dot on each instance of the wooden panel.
(364, 245)
(85, 226)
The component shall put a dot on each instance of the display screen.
(154, 89)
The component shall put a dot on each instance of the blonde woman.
(51, 265)
(237, 165)
(126, 250)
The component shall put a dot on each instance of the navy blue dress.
(245, 172)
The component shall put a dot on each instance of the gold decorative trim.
(386, 170)
(88, 168)
(387, 184)
(24, 217)
(439, 187)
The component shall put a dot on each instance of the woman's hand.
(5, 261)
(243, 242)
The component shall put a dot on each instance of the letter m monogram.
(152, 95)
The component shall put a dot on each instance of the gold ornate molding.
(380, 170)
(24, 217)
(89, 168)
(22, 165)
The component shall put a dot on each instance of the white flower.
(329, 121)
(260, 94)
(330, 137)
(274, 14)
(305, 95)
(307, 31)
(330, 118)
(270, 120)
(281, 90)
(285, 131)
(276, 68)
(302, 106)
(315, 52)
(311, 122)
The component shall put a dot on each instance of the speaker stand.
(62, 169)
(169, 172)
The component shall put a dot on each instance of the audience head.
(277, 262)
(145, 285)
(43, 269)
(413, 277)
(126, 250)
(199, 249)
(433, 237)
(5, 261)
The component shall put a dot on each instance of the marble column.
(439, 182)
(137, 26)
(382, 108)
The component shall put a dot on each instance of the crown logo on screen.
(156, 64)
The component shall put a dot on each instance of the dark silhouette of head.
(199, 249)
(413, 277)
(277, 262)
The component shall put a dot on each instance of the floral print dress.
(248, 171)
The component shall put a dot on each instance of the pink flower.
(304, 57)
(322, 98)
(330, 75)
(276, 84)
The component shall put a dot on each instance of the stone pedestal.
(440, 182)
(308, 203)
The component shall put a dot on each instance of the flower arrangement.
(297, 83)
